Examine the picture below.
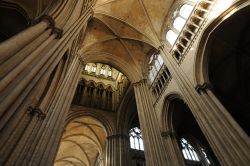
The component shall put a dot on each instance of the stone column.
(84, 96)
(117, 150)
(229, 142)
(15, 43)
(175, 153)
(28, 60)
(48, 137)
(238, 148)
(155, 151)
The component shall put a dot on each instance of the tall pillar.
(155, 151)
(17, 42)
(44, 146)
(229, 142)
(26, 112)
(117, 150)
(175, 153)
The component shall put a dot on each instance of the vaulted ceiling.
(83, 140)
(122, 32)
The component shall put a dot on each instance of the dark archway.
(192, 142)
(228, 57)
(11, 22)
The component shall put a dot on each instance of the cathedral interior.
(125, 82)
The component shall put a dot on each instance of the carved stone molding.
(161, 47)
(45, 17)
(58, 32)
(199, 88)
(34, 111)
(142, 81)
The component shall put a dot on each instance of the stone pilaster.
(117, 150)
(155, 151)
(52, 128)
(173, 148)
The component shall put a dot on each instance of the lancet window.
(135, 137)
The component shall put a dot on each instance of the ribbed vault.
(122, 32)
(83, 140)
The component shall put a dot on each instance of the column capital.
(168, 133)
(35, 111)
(44, 17)
(58, 32)
(140, 82)
(161, 47)
(203, 87)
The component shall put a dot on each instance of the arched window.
(194, 153)
(103, 71)
(171, 37)
(93, 69)
(155, 65)
(86, 68)
(135, 137)
(188, 151)
(179, 21)
(109, 72)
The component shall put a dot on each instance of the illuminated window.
(194, 152)
(109, 72)
(93, 69)
(86, 68)
(186, 10)
(179, 21)
(135, 137)
(188, 151)
(171, 37)
(155, 65)
(103, 71)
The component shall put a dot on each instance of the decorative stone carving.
(203, 87)
(45, 17)
(34, 111)
(58, 32)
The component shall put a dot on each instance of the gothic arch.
(201, 59)
(107, 125)
(179, 122)
(126, 112)
(166, 113)
(84, 137)
(217, 51)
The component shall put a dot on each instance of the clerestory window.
(135, 137)
(179, 21)
(93, 69)
(155, 65)
(194, 153)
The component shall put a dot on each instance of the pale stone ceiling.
(123, 31)
(82, 141)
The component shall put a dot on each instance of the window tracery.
(180, 18)
(194, 153)
(110, 72)
(186, 19)
(103, 71)
(135, 138)
(93, 69)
